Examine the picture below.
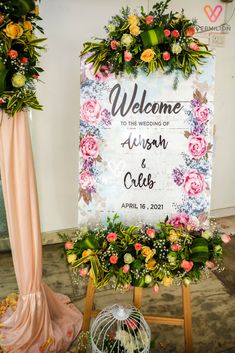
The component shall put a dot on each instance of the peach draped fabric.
(43, 321)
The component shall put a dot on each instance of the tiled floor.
(213, 301)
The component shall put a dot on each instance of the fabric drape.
(43, 320)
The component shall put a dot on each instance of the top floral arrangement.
(19, 54)
(151, 41)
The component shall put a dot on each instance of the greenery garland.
(149, 41)
(19, 55)
(176, 250)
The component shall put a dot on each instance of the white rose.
(127, 40)
(176, 48)
(207, 234)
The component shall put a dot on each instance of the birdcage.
(119, 329)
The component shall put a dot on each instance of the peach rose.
(83, 272)
(147, 55)
(149, 19)
(111, 237)
(187, 265)
(150, 233)
(194, 183)
(210, 264)
(197, 146)
(90, 111)
(89, 147)
(127, 55)
(194, 46)
(68, 245)
(226, 238)
(190, 31)
(138, 246)
(175, 247)
(175, 33)
(167, 32)
(13, 54)
(125, 268)
(166, 56)
(113, 259)
(156, 289)
(113, 44)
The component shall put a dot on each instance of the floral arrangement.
(149, 41)
(176, 250)
(19, 55)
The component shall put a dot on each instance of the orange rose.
(167, 281)
(147, 252)
(151, 264)
(28, 26)
(147, 55)
(13, 30)
(87, 253)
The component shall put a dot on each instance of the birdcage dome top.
(120, 329)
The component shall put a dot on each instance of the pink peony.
(68, 245)
(166, 55)
(86, 180)
(149, 19)
(138, 246)
(113, 259)
(194, 183)
(197, 146)
(150, 233)
(167, 32)
(90, 111)
(210, 264)
(226, 238)
(127, 55)
(125, 268)
(111, 237)
(131, 323)
(175, 247)
(175, 33)
(201, 113)
(193, 223)
(103, 74)
(190, 31)
(89, 147)
(194, 46)
(113, 44)
(179, 220)
(187, 265)
(156, 289)
(83, 272)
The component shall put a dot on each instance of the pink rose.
(150, 233)
(89, 147)
(125, 268)
(90, 111)
(83, 272)
(111, 237)
(194, 46)
(156, 289)
(201, 113)
(166, 56)
(190, 31)
(131, 323)
(149, 19)
(193, 223)
(210, 264)
(127, 55)
(226, 238)
(113, 44)
(186, 265)
(175, 247)
(193, 183)
(113, 259)
(175, 33)
(13, 54)
(179, 220)
(68, 245)
(167, 32)
(138, 246)
(197, 146)
(86, 180)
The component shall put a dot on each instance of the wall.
(55, 130)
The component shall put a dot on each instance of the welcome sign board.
(145, 148)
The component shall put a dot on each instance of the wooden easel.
(185, 321)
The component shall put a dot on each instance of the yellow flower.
(28, 26)
(87, 252)
(135, 30)
(173, 236)
(71, 258)
(150, 264)
(147, 55)
(167, 281)
(14, 30)
(147, 252)
(133, 20)
(18, 80)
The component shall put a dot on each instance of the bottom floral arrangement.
(174, 251)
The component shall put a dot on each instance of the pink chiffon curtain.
(43, 320)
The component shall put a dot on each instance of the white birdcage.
(119, 329)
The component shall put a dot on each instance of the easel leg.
(187, 319)
(88, 305)
(137, 297)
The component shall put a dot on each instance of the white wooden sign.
(145, 148)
